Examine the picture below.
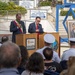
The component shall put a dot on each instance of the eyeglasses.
(38, 20)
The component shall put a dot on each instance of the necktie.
(37, 32)
(36, 26)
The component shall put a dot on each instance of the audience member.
(71, 61)
(49, 64)
(48, 40)
(17, 27)
(35, 65)
(71, 51)
(4, 39)
(64, 72)
(63, 64)
(70, 69)
(10, 57)
(48, 72)
(35, 27)
(24, 56)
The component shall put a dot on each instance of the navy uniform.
(49, 38)
(69, 52)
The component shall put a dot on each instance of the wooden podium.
(31, 42)
(27, 40)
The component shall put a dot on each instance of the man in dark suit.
(35, 27)
(17, 27)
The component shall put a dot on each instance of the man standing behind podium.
(17, 27)
(35, 27)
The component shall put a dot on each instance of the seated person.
(64, 64)
(70, 51)
(48, 72)
(10, 57)
(49, 39)
(24, 56)
(70, 67)
(49, 64)
(35, 65)
(4, 39)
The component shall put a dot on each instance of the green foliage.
(45, 3)
(11, 4)
(11, 8)
(3, 12)
(3, 5)
(64, 13)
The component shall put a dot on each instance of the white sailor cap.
(72, 39)
(49, 38)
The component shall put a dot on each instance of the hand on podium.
(37, 30)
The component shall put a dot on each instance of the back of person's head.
(71, 70)
(48, 53)
(24, 55)
(72, 41)
(71, 61)
(4, 39)
(9, 55)
(35, 63)
(49, 39)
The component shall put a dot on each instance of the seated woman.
(71, 70)
(49, 64)
(24, 56)
(71, 67)
(35, 65)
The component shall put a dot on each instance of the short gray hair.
(9, 55)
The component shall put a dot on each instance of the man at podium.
(17, 27)
(35, 27)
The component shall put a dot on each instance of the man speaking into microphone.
(36, 27)
(17, 27)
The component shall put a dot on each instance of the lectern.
(32, 43)
(27, 40)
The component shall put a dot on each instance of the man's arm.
(13, 27)
(31, 28)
